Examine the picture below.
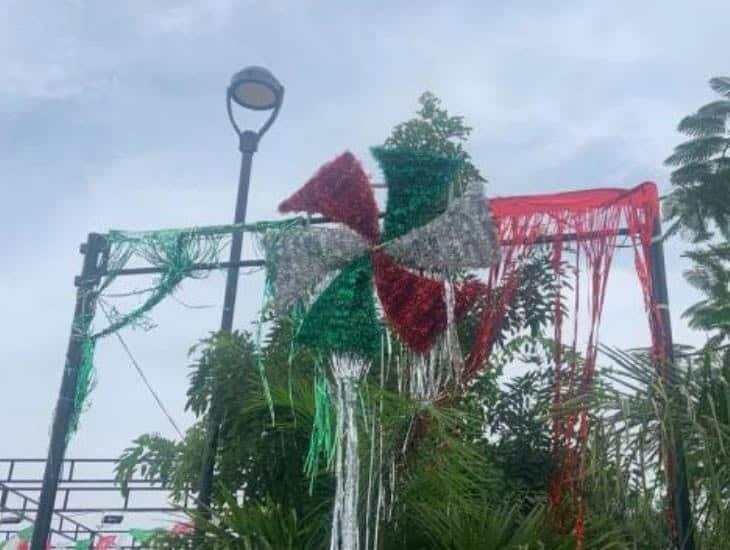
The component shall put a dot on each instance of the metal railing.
(83, 485)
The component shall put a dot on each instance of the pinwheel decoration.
(425, 241)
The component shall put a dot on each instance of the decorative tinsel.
(415, 305)
(85, 383)
(341, 322)
(418, 187)
(308, 254)
(341, 191)
(175, 252)
(593, 219)
(460, 238)
(343, 318)
(322, 443)
(346, 372)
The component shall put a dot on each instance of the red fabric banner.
(592, 221)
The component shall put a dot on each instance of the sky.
(112, 115)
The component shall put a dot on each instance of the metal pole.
(678, 486)
(94, 253)
(248, 144)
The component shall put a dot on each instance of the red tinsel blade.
(415, 305)
(341, 191)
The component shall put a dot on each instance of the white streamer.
(347, 372)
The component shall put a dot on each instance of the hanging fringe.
(592, 220)
(258, 348)
(346, 372)
(322, 441)
(453, 348)
(85, 383)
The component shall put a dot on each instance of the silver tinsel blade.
(302, 257)
(463, 237)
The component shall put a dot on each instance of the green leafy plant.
(701, 179)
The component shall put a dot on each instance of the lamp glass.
(255, 95)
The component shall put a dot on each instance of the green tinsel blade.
(418, 186)
(343, 319)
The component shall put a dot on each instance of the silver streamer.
(346, 372)
(302, 257)
(463, 237)
(456, 359)
(423, 377)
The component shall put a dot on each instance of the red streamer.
(592, 220)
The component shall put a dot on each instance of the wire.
(142, 375)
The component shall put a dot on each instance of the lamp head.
(256, 88)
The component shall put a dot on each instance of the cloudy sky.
(112, 116)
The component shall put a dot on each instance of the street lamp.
(257, 89)
(253, 88)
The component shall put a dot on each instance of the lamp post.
(257, 89)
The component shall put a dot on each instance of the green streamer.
(296, 316)
(321, 443)
(86, 382)
(260, 354)
(175, 252)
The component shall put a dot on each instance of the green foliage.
(638, 417)
(517, 421)
(441, 474)
(700, 206)
(260, 525)
(710, 274)
(175, 463)
(700, 199)
(433, 130)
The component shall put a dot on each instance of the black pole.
(678, 485)
(86, 283)
(248, 144)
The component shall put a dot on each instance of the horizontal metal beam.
(81, 489)
(65, 460)
(70, 510)
(112, 481)
(195, 267)
(565, 238)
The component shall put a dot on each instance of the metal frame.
(30, 506)
(18, 487)
(95, 252)
(94, 267)
(678, 484)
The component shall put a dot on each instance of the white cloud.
(188, 17)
